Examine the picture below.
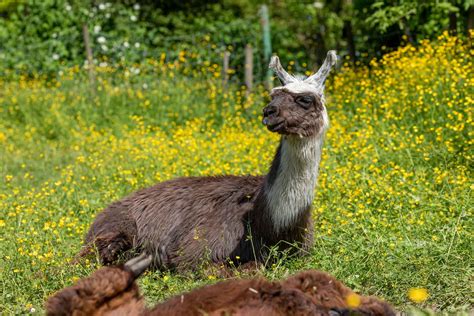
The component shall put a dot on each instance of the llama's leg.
(113, 233)
(249, 267)
(112, 246)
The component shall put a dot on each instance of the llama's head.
(111, 290)
(297, 107)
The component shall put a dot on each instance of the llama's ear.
(139, 264)
(319, 78)
(281, 73)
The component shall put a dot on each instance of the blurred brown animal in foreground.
(113, 291)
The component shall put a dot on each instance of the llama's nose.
(270, 110)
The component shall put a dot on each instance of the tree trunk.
(349, 36)
(470, 18)
(453, 23)
(407, 32)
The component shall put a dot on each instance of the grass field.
(393, 209)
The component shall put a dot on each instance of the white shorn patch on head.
(300, 87)
(293, 189)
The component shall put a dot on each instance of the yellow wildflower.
(418, 295)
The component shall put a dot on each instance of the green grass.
(393, 208)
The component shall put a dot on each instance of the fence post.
(225, 70)
(470, 19)
(90, 60)
(453, 23)
(248, 68)
(267, 44)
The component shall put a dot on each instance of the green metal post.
(267, 43)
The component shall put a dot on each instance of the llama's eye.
(305, 101)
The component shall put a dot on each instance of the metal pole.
(90, 61)
(267, 44)
(225, 70)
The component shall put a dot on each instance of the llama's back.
(179, 220)
(239, 297)
(182, 219)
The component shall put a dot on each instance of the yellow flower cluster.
(394, 188)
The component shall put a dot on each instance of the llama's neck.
(289, 187)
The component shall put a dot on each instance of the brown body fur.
(112, 291)
(213, 220)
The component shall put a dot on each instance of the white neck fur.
(293, 189)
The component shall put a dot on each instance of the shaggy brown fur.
(307, 293)
(109, 290)
(326, 291)
(112, 291)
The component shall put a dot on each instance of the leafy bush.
(47, 35)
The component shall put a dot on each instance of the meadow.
(393, 208)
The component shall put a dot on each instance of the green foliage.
(47, 35)
(425, 18)
(305, 31)
(385, 17)
(7, 5)
(39, 36)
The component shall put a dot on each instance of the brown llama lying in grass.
(113, 291)
(237, 218)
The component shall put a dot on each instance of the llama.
(306, 293)
(235, 218)
(112, 291)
